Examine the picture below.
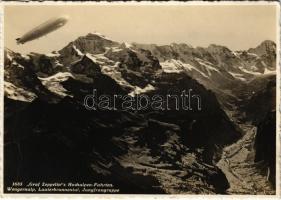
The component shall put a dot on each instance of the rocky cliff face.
(265, 144)
(49, 132)
(262, 109)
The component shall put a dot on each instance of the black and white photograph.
(139, 98)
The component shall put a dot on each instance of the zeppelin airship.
(43, 29)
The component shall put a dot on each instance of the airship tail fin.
(18, 40)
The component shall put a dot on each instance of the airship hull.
(43, 29)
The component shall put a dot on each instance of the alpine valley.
(227, 147)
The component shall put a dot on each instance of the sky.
(239, 27)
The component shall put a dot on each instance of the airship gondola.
(43, 29)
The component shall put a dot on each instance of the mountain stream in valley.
(238, 164)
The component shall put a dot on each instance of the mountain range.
(50, 136)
